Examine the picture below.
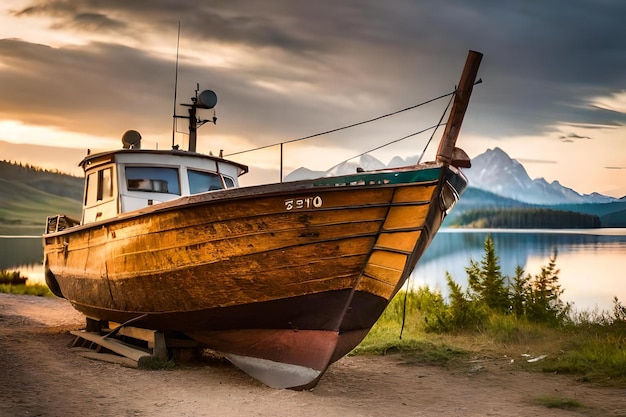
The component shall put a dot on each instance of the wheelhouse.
(131, 179)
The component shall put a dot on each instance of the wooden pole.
(461, 100)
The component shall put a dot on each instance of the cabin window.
(99, 186)
(200, 181)
(105, 184)
(153, 179)
(229, 182)
(91, 196)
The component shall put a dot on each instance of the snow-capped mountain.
(496, 172)
(366, 162)
(492, 171)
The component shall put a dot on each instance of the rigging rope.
(406, 292)
(353, 125)
(438, 124)
(434, 128)
(389, 143)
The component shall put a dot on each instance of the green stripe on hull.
(404, 177)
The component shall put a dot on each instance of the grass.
(593, 352)
(24, 205)
(418, 351)
(558, 402)
(40, 290)
(14, 283)
(590, 351)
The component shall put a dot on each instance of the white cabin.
(130, 179)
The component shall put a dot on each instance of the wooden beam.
(113, 345)
(155, 339)
(459, 106)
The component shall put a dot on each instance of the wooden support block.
(113, 345)
(155, 339)
(159, 348)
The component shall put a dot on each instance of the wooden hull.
(283, 279)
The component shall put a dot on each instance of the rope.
(438, 124)
(350, 126)
(406, 292)
(434, 128)
(390, 143)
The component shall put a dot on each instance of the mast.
(461, 100)
(205, 100)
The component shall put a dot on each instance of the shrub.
(544, 303)
(11, 278)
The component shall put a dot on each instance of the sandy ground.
(41, 376)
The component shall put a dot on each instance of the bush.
(544, 303)
(12, 278)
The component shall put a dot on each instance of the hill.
(483, 209)
(28, 195)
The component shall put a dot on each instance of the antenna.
(175, 86)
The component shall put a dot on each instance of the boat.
(281, 279)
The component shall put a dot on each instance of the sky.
(76, 74)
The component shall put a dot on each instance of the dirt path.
(41, 376)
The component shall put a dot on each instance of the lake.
(592, 262)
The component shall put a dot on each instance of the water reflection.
(591, 262)
(23, 254)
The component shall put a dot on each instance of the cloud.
(294, 68)
(47, 8)
(536, 161)
(571, 137)
(614, 102)
(91, 22)
(83, 88)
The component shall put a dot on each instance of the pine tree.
(545, 302)
(519, 292)
(486, 281)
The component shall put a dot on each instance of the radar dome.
(207, 99)
(131, 139)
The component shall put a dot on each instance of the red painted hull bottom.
(279, 358)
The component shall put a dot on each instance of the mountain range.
(492, 171)
(496, 172)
